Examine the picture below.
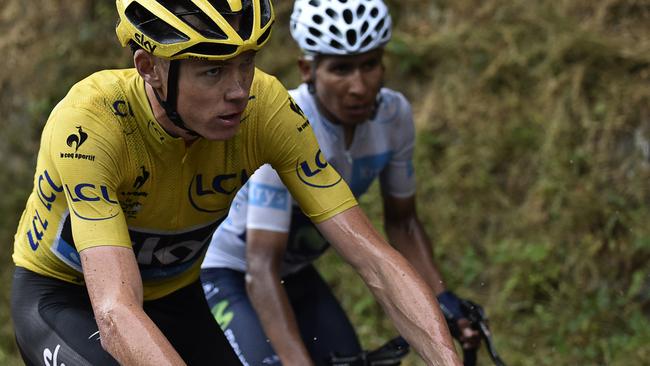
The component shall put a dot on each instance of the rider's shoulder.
(103, 101)
(101, 91)
(394, 108)
(394, 98)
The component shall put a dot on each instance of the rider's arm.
(400, 290)
(264, 253)
(406, 233)
(115, 289)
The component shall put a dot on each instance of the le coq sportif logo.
(77, 139)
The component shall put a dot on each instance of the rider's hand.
(459, 326)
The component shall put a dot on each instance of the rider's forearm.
(410, 239)
(271, 303)
(131, 337)
(400, 290)
(115, 290)
(410, 303)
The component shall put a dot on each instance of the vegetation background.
(533, 157)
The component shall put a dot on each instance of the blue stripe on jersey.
(263, 195)
(365, 170)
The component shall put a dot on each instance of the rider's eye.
(371, 64)
(341, 69)
(215, 71)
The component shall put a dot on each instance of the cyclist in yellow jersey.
(138, 167)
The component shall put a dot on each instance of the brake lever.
(476, 315)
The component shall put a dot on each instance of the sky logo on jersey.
(165, 254)
(310, 172)
(264, 195)
(203, 193)
(88, 192)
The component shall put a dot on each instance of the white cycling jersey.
(382, 147)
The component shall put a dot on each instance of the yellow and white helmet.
(201, 29)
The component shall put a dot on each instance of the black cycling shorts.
(54, 324)
(323, 325)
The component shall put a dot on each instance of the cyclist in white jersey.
(365, 131)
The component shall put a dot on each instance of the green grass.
(533, 157)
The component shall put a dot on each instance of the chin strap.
(169, 105)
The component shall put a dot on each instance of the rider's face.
(212, 95)
(347, 86)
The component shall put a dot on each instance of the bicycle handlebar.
(390, 354)
(478, 319)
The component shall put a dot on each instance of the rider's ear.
(306, 73)
(151, 68)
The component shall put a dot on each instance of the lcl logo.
(308, 172)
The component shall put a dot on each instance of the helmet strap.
(311, 85)
(169, 105)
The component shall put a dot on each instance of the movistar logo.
(77, 139)
(221, 315)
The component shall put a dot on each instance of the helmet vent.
(331, 13)
(152, 26)
(318, 19)
(223, 6)
(335, 30)
(336, 44)
(379, 25)
(265, 10)
(364, 27)
(211, 49)
(264, 36)
(366, 41)
(374, 12)
(314, 3)
(315, 32)
(360, 10)
(347, 16)
(194, 17)
(351, 36)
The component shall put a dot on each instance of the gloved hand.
(459, 325)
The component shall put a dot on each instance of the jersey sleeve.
(269, 202)
(292, 149)
(398, 178)
(85, 153)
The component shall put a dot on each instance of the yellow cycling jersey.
(108, 174)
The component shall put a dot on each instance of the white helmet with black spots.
(340, 27)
